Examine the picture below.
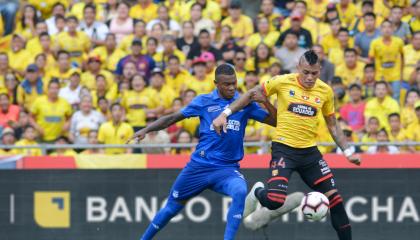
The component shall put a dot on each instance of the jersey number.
(281, 163)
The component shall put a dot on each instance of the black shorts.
(308, 162)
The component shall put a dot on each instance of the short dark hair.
(203, 31)
(344, 29)
(370, 14)
(53, 81)
(91, 6)
(74, 18)
(60, 52)
(386, 21)
(292, 33)
(394, 115)
(396, 6)
(369, 65)
(153, 39)
(115, 104)
(355, 85)
(174, 57)
(310, 57)
(43, 34)
(336, 80)
(367, 2)
(350, 50)
(224, 69)
(303, 2)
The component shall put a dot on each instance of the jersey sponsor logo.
(214, 108)
(305, 97)
(52, 119)
(175, 194)
(324, 167)
(231, 125)
(302, 109)
(317, 100)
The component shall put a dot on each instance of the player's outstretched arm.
(339, 138)
(221, 121)
(260, 97)
(161, 123)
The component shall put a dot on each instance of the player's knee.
(240, 193)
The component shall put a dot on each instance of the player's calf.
(275, 195)
(339, 218)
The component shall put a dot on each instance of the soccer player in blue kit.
(214, 164)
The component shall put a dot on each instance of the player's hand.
(258, 96)
(220, 123)
(137, 137)
(355, 159)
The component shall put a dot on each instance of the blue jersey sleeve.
(193, 109)
(256, 112)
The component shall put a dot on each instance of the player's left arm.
(339, 138)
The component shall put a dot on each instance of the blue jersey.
(212, 148)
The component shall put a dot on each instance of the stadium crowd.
(96, 71)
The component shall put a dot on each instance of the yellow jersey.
(211, 11)
(20, 60)
(63, 77)
(146, 14)
(240, 29)
(77, 45)
(298, 109)
(110, 61)
(317, 10)
(381, 110)
(387, 58)
(348, 75)
(189, 124)
(263, 66)
(26, 99)
(77, 11)
(67, 152)
(308, 23)
(179, 81)
(51, 116)
(27, 151)
(136, 104)
(114, 134)
(348, 14)
(408, 116)
(414, 24)
(125, 44)
(165, 96)
(411, 57)
(161, 58)
(270, 39)
(274, 20)
(201, 87)
(88, 79)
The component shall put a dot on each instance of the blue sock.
(171, 209)
(237, 190)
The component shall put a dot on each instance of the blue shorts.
(197, 177)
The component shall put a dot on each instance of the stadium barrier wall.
(382, 199)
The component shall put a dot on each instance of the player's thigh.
(189, 183)
(229, 182)
(318, 176)
(280, 171)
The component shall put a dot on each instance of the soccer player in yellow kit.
(301, 98)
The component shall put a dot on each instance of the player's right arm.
(161, 123)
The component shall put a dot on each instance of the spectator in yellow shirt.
(336, 55)
(347, 11)
(263, 35)
(145, 10)
(262, 60)
(242, 26)
(267, 11)
(368, 81)
(330, 40)
(62, 140)
(77, 43)
(372, 129)
(408, 114)
(30, 88)
(165, 94)
(115, 131)
(25, 26)
(109, 53)
(211, 10)
(382, 105)
(4, 68)
(169, 49)
(47, 51)
(307, 22)
(411, 56)
(414, 22)
(185, 137)
(200, 82)
(7, 138)
(103, 90)
(63, 71)
(93, 139)
(29, 136)
(139, 33)
(51, 113)
(78, 9)
(140, 102)
(239, 62)
(93, 70)
(351, 71)
(396, 131)
(176, 77)
(387, 53)
(33, 45)
(413, 130)
(19, 57)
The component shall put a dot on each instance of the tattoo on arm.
(164, 122)
(336, 132)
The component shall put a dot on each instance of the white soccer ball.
(315, 206)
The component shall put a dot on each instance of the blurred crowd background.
(96, 71)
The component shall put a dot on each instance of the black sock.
(339, 218)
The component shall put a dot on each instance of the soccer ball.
(315, 206)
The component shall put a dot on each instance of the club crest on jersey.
(305, 97)
(302, 109)
(292, 93)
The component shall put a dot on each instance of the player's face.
(226, 84)
(308, 74)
